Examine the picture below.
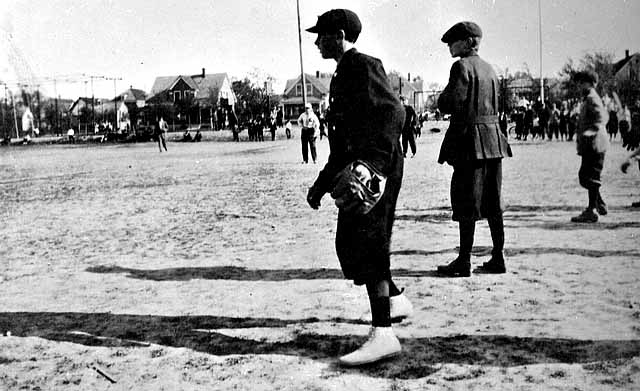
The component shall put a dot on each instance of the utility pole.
(93, 112)
(115, 99)
(15, 115)
(304, 82)
(540, 39)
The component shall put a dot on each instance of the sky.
(81, 43)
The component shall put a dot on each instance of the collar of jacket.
(346, 56)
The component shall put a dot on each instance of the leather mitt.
(356, 190)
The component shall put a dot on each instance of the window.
(177, 96)
(299, 89)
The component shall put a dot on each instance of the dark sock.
(380, 311)
(496, 226)
(393, 289)
(467, 231)
(593, 198)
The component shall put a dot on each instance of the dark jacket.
(410, 119)
(365, 123)
(365, 120)
(471, 97)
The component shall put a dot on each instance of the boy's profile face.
(328, 44)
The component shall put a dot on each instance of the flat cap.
(460, 31)
(338, 19)
(587, 76)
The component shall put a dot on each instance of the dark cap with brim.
(460, 31)
(338, 19)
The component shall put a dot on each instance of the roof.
(321, 83)
(297, 100)
(203, 85)
(620, 64)
(132, 95)
(408, 88)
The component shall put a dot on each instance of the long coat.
(471, 97)
(365, 123)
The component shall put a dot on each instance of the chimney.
(626, 54)
(317, 74)
(203, 73)
(409, 77)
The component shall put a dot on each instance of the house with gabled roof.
(627, 69)
(208, 91)
(412, 90)
(133, 96)
(317, 94)
(98, 105)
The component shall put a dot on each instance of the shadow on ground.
(240, 273)
(237, 273)
(420, 357)
(512, 252)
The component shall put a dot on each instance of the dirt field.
(204, 269)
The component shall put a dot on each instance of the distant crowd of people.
(548, 121)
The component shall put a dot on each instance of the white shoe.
(382, 343)
(400, 307)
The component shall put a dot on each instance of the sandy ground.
(204, 269)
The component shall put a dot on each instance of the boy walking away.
(363, 175)
(591, 143)
(475, 146)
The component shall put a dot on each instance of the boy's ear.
(340, 34)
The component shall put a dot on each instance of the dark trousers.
(363, 241)
(408, 137)
(161, 142)
(591, 170)
(308, 142)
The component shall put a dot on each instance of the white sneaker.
(382, 343)
(400, 307)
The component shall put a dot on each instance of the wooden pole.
(304, 82)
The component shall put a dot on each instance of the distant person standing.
(631, 139)
(310, 125)
(474, 146)
(159, 131)
(634, 157)
(624, 123)
(273, 126)
(71, 133)
(27, 125)
(554, 122)
(591, 143)
(287, 129)
(564, 121)
(408, 132)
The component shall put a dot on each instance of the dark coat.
(471, 97)
(365, 119)
(365, 122)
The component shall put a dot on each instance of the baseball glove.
(358, 188)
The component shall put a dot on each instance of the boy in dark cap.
(363, 174)
(591, 143)
(474, 146)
